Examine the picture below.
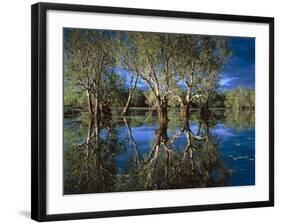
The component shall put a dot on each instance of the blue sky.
(240, 67)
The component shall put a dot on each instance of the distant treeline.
(76, 100)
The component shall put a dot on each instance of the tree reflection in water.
(197, 165)
(91, 166)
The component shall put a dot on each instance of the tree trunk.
(185, 110)
(188, 100)
(205, 111)
(188, 97)
(125, 110)
(96, 106)
(163, 127)
(105, 110)
(132, 89)
(162, 110)
(90, 105)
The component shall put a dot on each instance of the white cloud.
(226, 81)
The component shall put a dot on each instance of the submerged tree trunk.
(105, 110)
(162, 110)
(205, 112)
(185, 110)
(162, 132)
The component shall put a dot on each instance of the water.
(137, 152)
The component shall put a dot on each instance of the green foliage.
(216, 100)
(150, 99)
(199, 60)
(240, 98)
(200, 55)
(138, 99)
(161, 60)
(151, 55)
(73, 98)
(88, 56)
(89, 68)
(113, 88)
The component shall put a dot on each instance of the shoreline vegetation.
(239, 99)
(109, 73)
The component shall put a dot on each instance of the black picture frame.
(39, 123)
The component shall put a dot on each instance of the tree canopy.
(177, 70)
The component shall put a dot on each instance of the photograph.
(147, 111)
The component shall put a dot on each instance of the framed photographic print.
(138, 111)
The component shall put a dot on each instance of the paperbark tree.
(212, 65)
(89, 57)
(151, 56)
(199, 60)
